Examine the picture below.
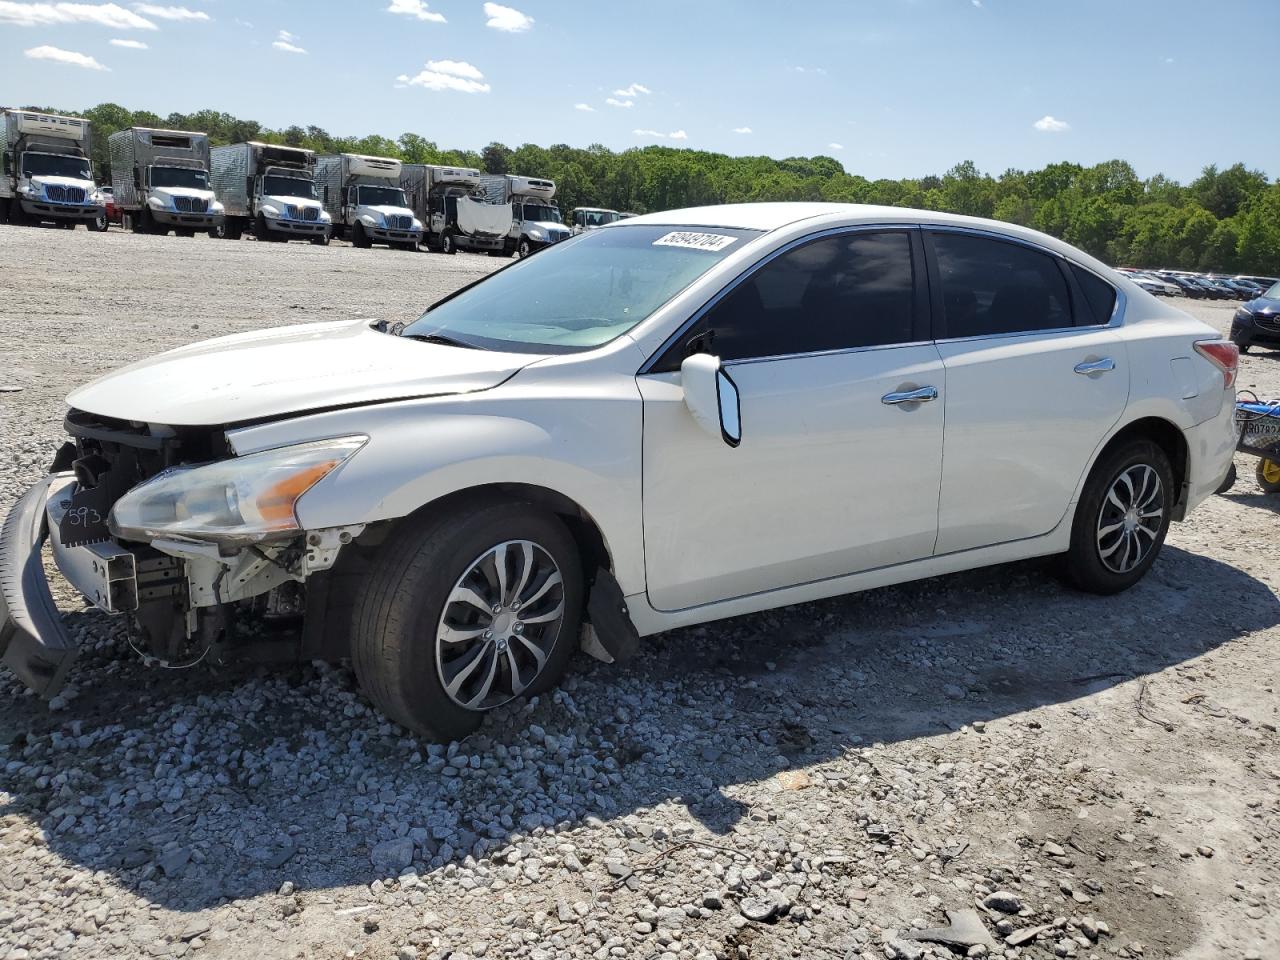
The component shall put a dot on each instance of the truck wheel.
(465, 611)
(183, 232)
(141, 222)
(260, 229)
(524, 249)
(17, 216)
(4, 209)
(1121, 520)
(100, 224)
(359, 238)
(233, 229)
(448, 244)
(320, 241)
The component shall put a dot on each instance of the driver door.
(834, 473)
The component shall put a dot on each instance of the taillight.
(1224, 355)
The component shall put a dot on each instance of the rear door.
(1036, 378)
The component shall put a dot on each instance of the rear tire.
(1121, 520)
(1268, 475)
(405, 609)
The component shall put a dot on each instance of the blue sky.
(891, 88)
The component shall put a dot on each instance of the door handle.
(923, 395)
(1095, 366)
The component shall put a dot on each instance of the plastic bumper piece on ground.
(34, 644)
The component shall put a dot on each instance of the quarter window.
(837, 293)
(992, 287)
(1099, 297)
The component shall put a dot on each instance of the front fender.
(586, 448)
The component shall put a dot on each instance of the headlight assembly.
(242, 500)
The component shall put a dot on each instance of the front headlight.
(271, 212)
(537, 235)
(417, 224)
(216, 206)
(1243, 315)
(245, 499)
(326, 217)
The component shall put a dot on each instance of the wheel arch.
(1165, 434)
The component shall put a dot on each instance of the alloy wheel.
(1131, 518)
(499, 624)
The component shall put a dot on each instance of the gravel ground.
(1065, 775)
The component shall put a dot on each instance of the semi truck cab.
(368, 205)
(46, 174)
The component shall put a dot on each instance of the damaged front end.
(167, 527)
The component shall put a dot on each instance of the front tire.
(524, 249)
(427, 645)
(1268, 475)
(1122, 519)
(448, 244)
(100, 224)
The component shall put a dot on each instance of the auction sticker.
(695, 241)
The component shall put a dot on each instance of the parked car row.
(1197, 286)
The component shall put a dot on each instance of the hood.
(42, 180)
(386, 210)
(289, 370)
(299, 202)
(193, 192)
(548, 226)
(1263, 305)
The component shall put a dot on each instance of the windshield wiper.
(440, 338)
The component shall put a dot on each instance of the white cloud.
(1049, 124)
(618, 103)
(48, 14)
(416, 9)
(978, 4)
(171, 13)
(673, 135)
(287, 42)
(584, 107)
(821, 70)
(1168, 59)
(635, 90)
(835, 146)
(506, 19)
(243, 23)
(741, 129)
(129, 44)
(456, 75)
(58, 55)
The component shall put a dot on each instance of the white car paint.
(830, 491)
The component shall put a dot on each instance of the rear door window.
(990, 287)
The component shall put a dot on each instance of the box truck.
(454, 211)
(160, 182)
(269, 189)
(364, 197)
(535, 216)
(45, 174)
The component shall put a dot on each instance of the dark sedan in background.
(1258, 322)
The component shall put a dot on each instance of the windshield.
(581, 293)
(277, 186)
(540, 213)
(54, 165)
(1273, 293)
(598, 218)
(382, 196)
(179, 177)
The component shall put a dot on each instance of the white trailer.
(160, 181)
(269, 189)
(45, 173)
(536, 219)
(364, 197)
(455, 213)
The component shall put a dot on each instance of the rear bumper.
(34, 644)
(1211, 445)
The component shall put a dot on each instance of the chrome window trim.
(760, 264)
(841, 351)
(1117, 311)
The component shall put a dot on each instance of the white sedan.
(676, 418)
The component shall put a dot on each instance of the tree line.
(1224, 220)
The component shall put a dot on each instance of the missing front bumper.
(34, 644)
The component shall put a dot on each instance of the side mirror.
(712, 397)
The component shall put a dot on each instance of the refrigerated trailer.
(160, 182)
(535, 216)
(454, 211)
(364, 197)
(269, 189)
(45, 173)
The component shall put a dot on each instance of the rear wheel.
(1268, 475)
(1122, 518)
(466, 611)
